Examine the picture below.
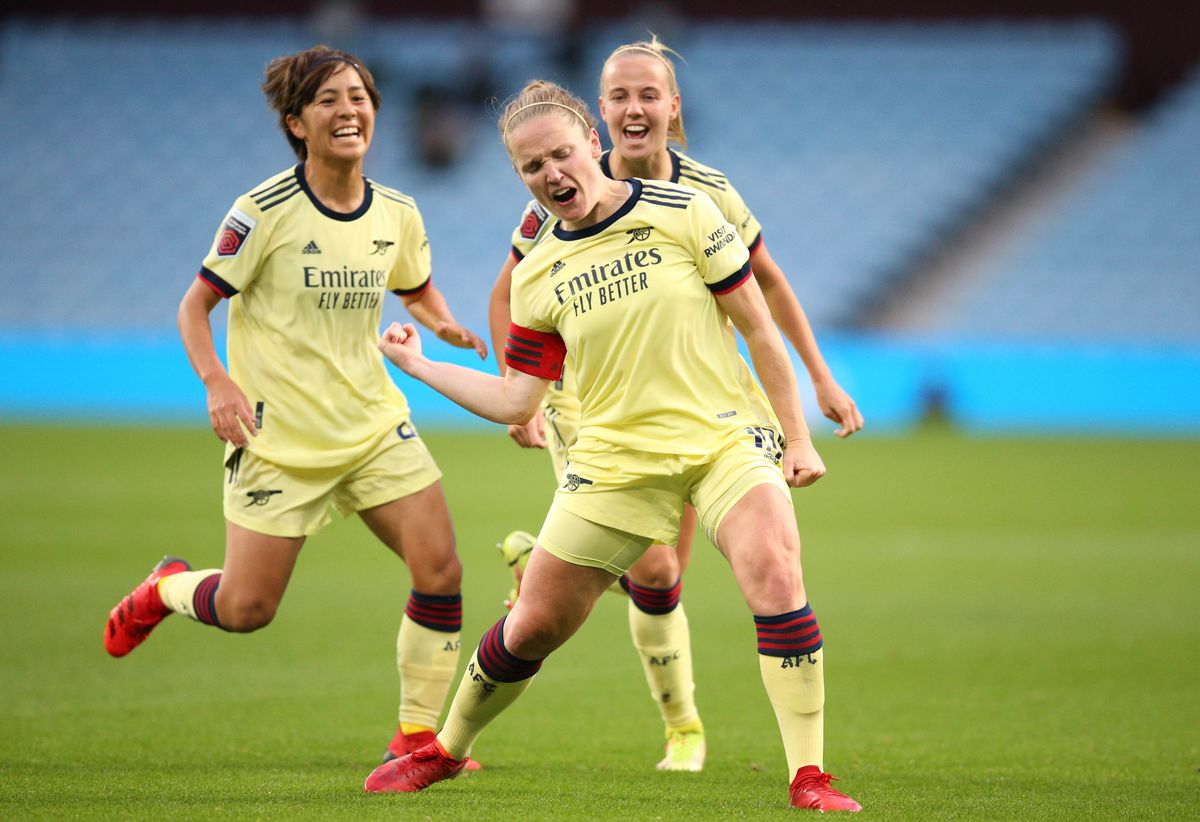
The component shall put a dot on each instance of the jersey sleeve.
(534, 221)
(413, 267)
(740, 217)
(237, 250)
(721, 257)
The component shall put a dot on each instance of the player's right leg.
(241, 596)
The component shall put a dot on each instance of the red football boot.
(403, 743)
(811, 789)
(136, 615)
(415, 771)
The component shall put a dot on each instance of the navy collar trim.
(326, 210)
(592, 230)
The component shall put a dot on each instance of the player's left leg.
(659, 628)
(758, 537)
(575, 561)
(418, 529)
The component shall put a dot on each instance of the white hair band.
(508, 122)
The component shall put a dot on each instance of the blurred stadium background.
(991, 211)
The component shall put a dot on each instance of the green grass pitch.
(1012, 630)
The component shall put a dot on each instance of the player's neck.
(338, 187)
(655, 167)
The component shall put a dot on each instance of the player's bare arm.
(510, 399)
(789, 315)
(227, 404)
(802, 465)
(429, 308)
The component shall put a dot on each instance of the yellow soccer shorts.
(294, 502)
(641, 495)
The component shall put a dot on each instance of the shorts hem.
(268, 529)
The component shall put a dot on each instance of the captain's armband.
(536, 353)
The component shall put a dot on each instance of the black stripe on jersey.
(404, 292)
(690, 171)
(651, 190)
(271, 190)
(717, 184)
(214, 282)
(732, 281)
(755, 243)
(516, 252)
(668, 203)
(269, 202)
(393, 195)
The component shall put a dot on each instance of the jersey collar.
(607, 169)
(329, 212)
(592, 230)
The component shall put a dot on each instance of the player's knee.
(658, 568)
(245, 614)
(533, 636)
(438, 575)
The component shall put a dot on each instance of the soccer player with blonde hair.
(640, 281)
(307, 410)
(640, 103)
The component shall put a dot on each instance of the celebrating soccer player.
(310, 417)
(640, 103)
(639, 280)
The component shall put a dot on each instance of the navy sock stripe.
(204, 600)
(792, 634)
(435, 611)
(657, 601)
(498, 663)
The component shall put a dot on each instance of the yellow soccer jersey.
(632, 299)
(536, 223)
(306, 286)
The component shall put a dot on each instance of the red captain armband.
(535, 353)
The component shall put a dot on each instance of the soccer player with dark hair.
(643, 282)
(307, 410)
(640, 103)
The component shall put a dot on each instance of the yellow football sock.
(664, 647)
(178, 592)
(426, 660)
(478, 700)
(796, 687)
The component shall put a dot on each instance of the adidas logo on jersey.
(557, 267)
(311, 248)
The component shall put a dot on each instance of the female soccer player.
(310, 417)
(640, 104)
(638, 280)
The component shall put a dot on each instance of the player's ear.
(595, 140)
(676, 105)
(295, 126)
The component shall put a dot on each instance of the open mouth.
(563, 195)
(635, 132)
(348, 131)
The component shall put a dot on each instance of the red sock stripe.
(204, 600)
(656, 601)
(792, 634)
(498, 663)
(438, 613)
